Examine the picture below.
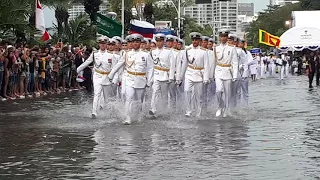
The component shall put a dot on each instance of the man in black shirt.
(311, 68)
(317, 61)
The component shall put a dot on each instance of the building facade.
(219, 14)
(246, 9)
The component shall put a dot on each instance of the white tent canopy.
(300, 36)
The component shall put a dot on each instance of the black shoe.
(93, 116)
(151, 113)
(310, 86)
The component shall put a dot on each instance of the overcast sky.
(259, 5)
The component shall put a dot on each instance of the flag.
(40, 25)
(268, 39)
(142, 27)
(108, 26)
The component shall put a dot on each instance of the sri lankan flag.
(268, 39)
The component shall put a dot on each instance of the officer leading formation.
(195, 79)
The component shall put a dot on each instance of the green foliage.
(271, 20)
(78, 31)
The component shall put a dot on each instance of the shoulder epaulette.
(203, 48)
(188, 48)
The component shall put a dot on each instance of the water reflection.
(53, 138)
(34, 153)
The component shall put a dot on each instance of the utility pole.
(122, 17)
(179, 18)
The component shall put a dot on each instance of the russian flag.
(142, 27)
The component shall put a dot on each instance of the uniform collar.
(223, 45)
(196, 47)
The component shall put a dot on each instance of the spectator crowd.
(34, 71)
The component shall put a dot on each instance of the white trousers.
(287, 69)
(180, 96)
(173, 95)
(282, 72)
(193, 93)
(272, 70)
(101, 95)
(235, 85)
(159, 88)
(223, 93)
(134, 101)
(243, 91)
(209, 91)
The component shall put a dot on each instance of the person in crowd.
(310, 68)
(317, 61)
(2, 60)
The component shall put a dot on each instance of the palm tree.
(13, 15)
(77, 31)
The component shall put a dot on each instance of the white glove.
(110, 79)
(205, 82)
(234, 79)
(149, 85)
(178, 82)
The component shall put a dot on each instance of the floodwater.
(53, 137)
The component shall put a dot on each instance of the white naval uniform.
(195, 70)
(226, 70)
(244, 81)
(272, 67)
(209, 89)
(103, 64)
(235, 85)
(241, 81)
(281, 68)
(115, 86)
(253, 66)
(137, 75)
(164, 70)
(172, 86)
(263, 68)
(180, 87)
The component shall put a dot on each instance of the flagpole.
(122, 17)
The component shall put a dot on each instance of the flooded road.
(53, 137)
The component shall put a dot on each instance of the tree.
(310, 4)
(271, 20)
(78, 31)
(92, 7)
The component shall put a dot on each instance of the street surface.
(277, 138)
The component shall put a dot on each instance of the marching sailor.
(195, 71)
(138, 75)
(242, 70)
(171, 43)
(235, 85)
(103, 61)
(164, 71)
(226, 71)
(243, 89)
(207, 93)
(180, 58)
(114, 48)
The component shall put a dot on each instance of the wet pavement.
(53, 137)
